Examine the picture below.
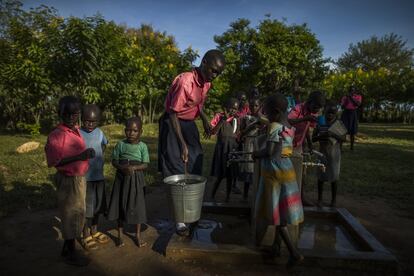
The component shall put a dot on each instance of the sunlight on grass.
(380, 166)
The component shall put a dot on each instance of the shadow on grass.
(23, 196)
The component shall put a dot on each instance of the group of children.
(278, 200)
(77, 155)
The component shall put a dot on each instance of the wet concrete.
(328, 238)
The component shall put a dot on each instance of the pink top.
(187, 95)
(301, 129)
(244, 111)
(348, 104)
(64, 142)
(217, 117)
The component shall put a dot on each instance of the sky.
(336, 23)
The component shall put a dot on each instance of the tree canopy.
(272, 56)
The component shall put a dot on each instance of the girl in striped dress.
(278, 200)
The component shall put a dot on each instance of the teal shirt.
(136, 152)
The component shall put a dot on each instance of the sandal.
(89, 243)
(100, 237)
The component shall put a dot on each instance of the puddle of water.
(314, 234)
(325, 234)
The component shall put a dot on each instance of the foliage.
(382, 70)
(271, 56)
(44, 56)
(388, 52)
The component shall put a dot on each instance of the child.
(95, 185)
(350, 104)
(250, 129)
(66, 151)
(303, 117)
(278, 199)
(225, 125)
(329, 145)
(243, 109)
(127, 204)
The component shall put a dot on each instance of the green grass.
(380, 166)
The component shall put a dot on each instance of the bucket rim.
(172, 179)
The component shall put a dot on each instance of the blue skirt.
(169, 148)
(350, 120)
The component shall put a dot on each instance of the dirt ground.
(30, 243)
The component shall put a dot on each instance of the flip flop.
(89, 243)
(100, 237)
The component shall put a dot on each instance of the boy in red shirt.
(66, 151)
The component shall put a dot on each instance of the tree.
(273, 57)
(389, 51)
(44, 56)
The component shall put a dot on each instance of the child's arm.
(340, 138)
(206, 124)
(85, 155)
(104, 142)
(123, 168)
(218, 125)
(140, 167)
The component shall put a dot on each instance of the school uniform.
(95, 180)
(186, 98)
(226, 143)
(127, 202)
(64, 142)
(350, 116)
(301, 129)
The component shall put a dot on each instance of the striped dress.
(278, 200)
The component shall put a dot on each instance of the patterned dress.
(278, 200)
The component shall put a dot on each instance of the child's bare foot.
(140, 243)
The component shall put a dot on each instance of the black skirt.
(95, 198)
(219, 166)
(169, 148)
(127, 202)
(350, 120)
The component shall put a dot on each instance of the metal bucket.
(185, 193)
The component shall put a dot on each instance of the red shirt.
(244, 111)
(64, 142)
(298, 112)
(187, 95)
(217, 117)
(348, 104)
